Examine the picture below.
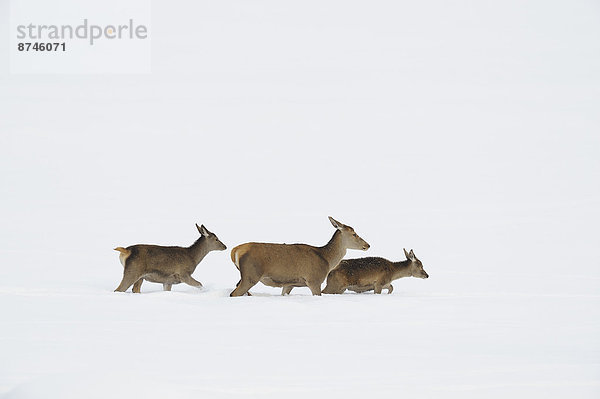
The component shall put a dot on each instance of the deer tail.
(124, 254)
(235, 257)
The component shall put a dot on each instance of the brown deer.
(166, 265)
(292, 265)
(366, 274)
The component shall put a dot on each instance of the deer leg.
(249, 277)
(243, 287)
(237, 285)
(335, 285)
(330, 289)
(137, 286)
(287, 289)
(315, 288)
(167, 287)
(129, 277)
(378, 287)
(390, 288)
(189, 280)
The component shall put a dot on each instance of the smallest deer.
(366, 274)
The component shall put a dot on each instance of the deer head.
(416, 267)
(212, 241)
(350, 239)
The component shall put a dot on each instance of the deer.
(292, 265)
(373, 273)
(166, 265)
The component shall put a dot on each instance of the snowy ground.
(465, 130)
(457, 334)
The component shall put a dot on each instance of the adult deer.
(166, 265)
(293, 265)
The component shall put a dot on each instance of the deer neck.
(334, 251)
(198, 250)
(402, 269)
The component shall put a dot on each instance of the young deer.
(292, 265)
(166, 265)
(365, 274)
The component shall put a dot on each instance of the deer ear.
(202, 230)
(406, 253)
(335, 223)
(411, 255)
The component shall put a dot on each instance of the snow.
(467, 131)
(73, 342)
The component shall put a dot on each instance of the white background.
(465, 130)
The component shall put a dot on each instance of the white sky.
(452, 128)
